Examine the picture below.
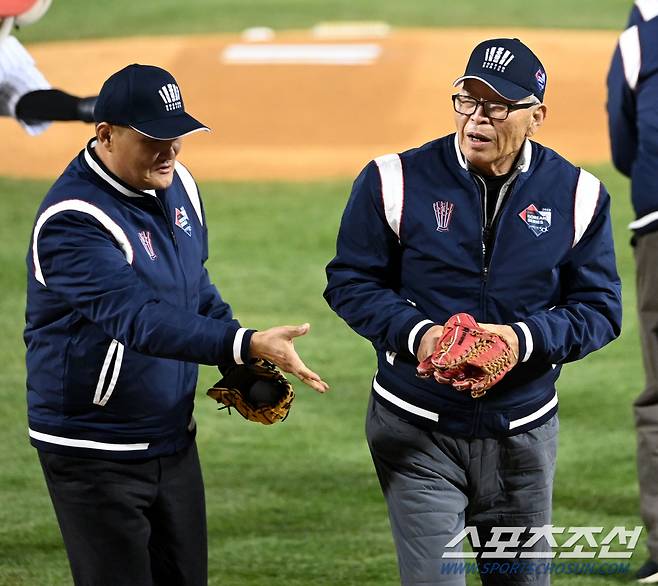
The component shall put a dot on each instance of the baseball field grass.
(298, 503)
(75, 19)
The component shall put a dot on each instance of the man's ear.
(104, 135)
(537, 119)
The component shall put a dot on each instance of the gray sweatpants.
(436, 485)
(646, 404)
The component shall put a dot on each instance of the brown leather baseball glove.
(258, 391)
(468, 357)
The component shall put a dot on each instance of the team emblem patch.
(182, 221)
(170, 95)
(539, 221)
(497, 58)
(145, 239)
(443, 213)
(540, 78)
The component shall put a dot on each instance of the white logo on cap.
(497, 58)
(170, 95)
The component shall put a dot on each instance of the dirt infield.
(304, 121)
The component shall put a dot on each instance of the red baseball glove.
(468, 357)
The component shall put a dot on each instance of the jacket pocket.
(105, 388)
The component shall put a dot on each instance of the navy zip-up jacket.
(632, 113)
(411, 253)
(120, 310)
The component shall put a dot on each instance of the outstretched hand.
(276, 345)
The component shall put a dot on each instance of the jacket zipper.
(163, 209)
(489, 231)
(484, 269)
(500, 209)
(475, 422)
(488, 243)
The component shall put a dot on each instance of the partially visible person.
(642, 11)
(633, 124)
(25, 93)
(120, 310)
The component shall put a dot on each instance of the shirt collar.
(97, 166)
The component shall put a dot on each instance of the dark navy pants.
(134, 523)
(436, 485)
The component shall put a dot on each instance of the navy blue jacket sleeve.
(363, 278)
(589, 314)
(621, 117)
(211, 303)
(83, 265)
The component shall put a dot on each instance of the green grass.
(298, 503)
(73, 19)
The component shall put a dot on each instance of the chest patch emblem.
(145, 239)
(182, 221)
(443, 213)
(539, 221)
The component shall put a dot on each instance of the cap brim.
(505, 89)
(170, 128)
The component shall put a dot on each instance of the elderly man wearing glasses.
(486, 222)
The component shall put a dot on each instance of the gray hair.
(531, 99)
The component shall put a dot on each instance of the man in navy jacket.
(487, 222)
(633, 125)
(120, 310)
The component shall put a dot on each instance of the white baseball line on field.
(302, 54)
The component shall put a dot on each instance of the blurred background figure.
(25, 93)
(642, 11)
(633, 123)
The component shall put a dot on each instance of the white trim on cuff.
(237, 346)
(528, 340)
(414, 332)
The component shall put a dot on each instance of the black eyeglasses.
(495, 110)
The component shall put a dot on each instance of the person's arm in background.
(622, 81)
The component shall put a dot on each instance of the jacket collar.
(522, 163)
(97, 166)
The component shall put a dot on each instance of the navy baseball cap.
(147, 99)
(508, 67)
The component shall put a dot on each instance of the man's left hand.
(508, 334)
